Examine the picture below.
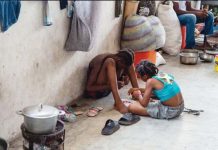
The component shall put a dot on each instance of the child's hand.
(136, 94)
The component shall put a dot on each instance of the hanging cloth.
(118, 9)
(70, 10)
(9, 13)
(47, 20)
(79, 37)
(63, 4)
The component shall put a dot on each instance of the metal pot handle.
(40, 107)
(61, 113)
(20, 112)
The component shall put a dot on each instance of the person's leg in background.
(189, 20)
(209, 23)
(208, 28)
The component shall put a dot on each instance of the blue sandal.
(110, 127)
(128, 119)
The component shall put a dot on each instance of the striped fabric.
(158, 30)
(138, 34)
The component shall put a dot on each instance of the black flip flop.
(110, 127)
(128, 119)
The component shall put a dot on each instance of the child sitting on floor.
(161, 85)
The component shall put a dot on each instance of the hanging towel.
(63, 4)
(79, 37)
(118, 9)
(70, 10)
(9, 13)
(47, 20)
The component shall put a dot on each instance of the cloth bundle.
(159, 31)
(143, 33)
(172, 27)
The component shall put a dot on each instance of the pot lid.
(40, 111)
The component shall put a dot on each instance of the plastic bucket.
(183, 31)
(148, 55)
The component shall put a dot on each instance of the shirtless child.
(105, 75)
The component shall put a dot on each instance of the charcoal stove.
(52, 141)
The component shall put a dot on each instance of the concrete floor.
(199, 84)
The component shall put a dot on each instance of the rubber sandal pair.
(93, 111)
(67, 113)
(110, 127)
(69, 118)
(128, 119)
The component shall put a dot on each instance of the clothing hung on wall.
(47, 20)
(63, 4)
(118, 9)
(89, 13)
(79, 37)
(9, 13)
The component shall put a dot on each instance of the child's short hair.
(147, 68)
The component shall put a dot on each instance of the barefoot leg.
(112, 77)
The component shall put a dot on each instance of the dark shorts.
(97, 95)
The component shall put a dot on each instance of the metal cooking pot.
(40, 119)
(188, 58)
(206, 57)
(189, 51)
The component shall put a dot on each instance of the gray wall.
(35, 68)
(214, 2)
